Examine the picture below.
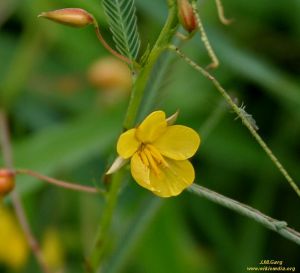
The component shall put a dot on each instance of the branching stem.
(245, 121)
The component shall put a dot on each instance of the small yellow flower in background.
(159, 154)
(52, 249)
(14, 250)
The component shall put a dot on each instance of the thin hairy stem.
(280, 227)
(204, 38)
(221, 13)
(17, 203)
(60, 183)
(245, 121)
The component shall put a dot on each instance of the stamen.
(157, 155)
(152, 162)
(144, 158)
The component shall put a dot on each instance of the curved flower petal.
(140, 172)
(178, 142)
(173, 179)
(127, 144)
(152, 127)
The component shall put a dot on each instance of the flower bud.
(110, 74)
(186, 15)
(70, 16)
(7, 181)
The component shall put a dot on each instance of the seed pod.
(70, 16)
(186, 15)
(7, 181)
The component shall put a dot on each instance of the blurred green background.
(65, 127)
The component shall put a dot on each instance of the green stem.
(161, 44)
(270, 223)
(102, 238)
(244, 119)
(137, 93)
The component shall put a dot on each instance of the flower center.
(152, 158)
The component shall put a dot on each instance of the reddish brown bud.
(186, 15)
(70, 16)
(7, 181)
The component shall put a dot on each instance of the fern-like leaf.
(122, 20)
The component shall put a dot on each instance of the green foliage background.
(60, 128)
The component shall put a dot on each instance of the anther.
(144, 158)
(157, 155)
(152, 162)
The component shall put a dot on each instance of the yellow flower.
(14, 250)
(159, 154)
(52, 249)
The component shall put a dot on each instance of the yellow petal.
(140, 172)
(12, 240)
(178, 142)
(173, 179)
(127, 144)
(152, 127)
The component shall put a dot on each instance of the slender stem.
(137, 93)
(102, 237)
(20, 212)
(244, 119)
(60, 183)
(270, 223)
(106, 45)
(221, 13)
(210, 51)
